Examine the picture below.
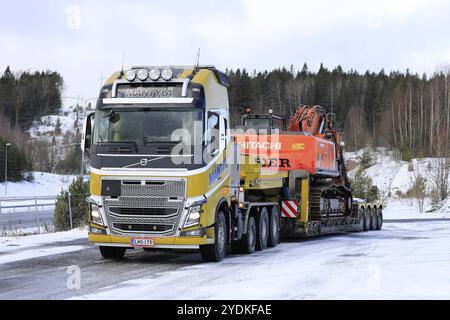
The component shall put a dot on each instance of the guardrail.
(12, 219)
(34, 202)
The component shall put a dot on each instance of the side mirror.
(86, 137)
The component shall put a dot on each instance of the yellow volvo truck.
(166, 173)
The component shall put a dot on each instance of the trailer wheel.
(274, 236)
(262, 230)
(362, 220)
(367, 219)
(373, 219)
(248, 243)
(112, 252)
(216, 252)
(380, 219)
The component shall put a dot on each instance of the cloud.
(73, 20)
(86, 40)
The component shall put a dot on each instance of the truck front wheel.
(216, 252)
(112, 252)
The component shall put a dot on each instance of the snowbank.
(9, 244)
(44, 184)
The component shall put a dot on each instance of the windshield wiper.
(121, 146)
(146, 142)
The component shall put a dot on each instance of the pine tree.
(78, 192)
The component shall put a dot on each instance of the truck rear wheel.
(216, 252)
(373, 219)
(112, 252)
(367, 219)
(380, 219)
(361, 220)
(262, 230)
(248, 243)
(274, 236)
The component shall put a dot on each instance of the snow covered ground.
(11, 244)
(406, 260)
(45, 127)
(409, 209)
(44, 184)
(390, 174)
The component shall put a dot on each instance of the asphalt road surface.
(45, 276)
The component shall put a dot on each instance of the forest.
(402, 110)
(410, 112)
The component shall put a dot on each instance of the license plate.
(142, 242)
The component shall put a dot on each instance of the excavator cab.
(258, 122)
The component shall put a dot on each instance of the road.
(27, 219)
(405, 260)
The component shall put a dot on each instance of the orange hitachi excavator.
(309, 147)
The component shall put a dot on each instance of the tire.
(373, 219)
(248, 242)
(113, 253)
(262, 230)
(217, 251)
(362, 220)
(380, 219)
(366, 219)
(274, 228)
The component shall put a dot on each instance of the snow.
(405, 209)
(37, 253)
(404, 261)
(47, 124)
(44, 184)
(12, 244)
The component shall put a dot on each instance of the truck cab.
(158, 146)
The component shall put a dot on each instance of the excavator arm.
(316, 121)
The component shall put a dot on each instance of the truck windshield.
(148, 126)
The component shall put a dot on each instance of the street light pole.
(6, 166)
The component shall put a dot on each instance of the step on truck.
(167, 171)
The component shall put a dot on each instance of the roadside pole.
(36, 215)
(1, 219)
(70, 211)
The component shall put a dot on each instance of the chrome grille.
(154, 189)
(147, 207)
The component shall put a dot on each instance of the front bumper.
(181, 243)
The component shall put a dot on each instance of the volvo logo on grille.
(144, 162)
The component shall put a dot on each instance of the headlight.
(193, 217)
(131, 75)
(155, 74)
(142, 74)
(167, 74)
(96, 216)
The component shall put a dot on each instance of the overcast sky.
(84, 40)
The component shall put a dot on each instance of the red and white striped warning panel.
(289, 209)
